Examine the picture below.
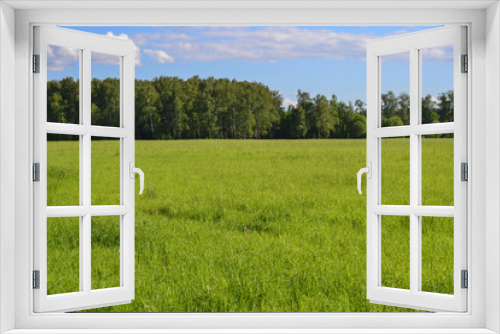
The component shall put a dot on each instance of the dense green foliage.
(173, 108)
(250, 226)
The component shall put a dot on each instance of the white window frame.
(483, 250)
(413, 43)
(123, 50)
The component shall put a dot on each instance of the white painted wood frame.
(86, 43)
(483, 312)
(414, 43)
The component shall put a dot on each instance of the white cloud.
(148, 37)
(188, 46)
(269, 44)
(145, 38)
(441, 53)
(122, 36)
(435, 100)
(102, 58)
(59, 58)
(160, 56)
(288, 102)
(137, 49)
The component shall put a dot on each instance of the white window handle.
(368, 171)
(134, 170)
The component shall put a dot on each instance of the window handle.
(134, 170)
(368, 171)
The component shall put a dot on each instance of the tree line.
(173, 108)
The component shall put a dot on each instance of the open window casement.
(414, 212)
(83, 47)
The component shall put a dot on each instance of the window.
(476, 317)
(79, 207)
(414, 213)
(103, 212)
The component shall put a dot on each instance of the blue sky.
(319, 60)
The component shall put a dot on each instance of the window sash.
(87, 43)
(414, 298)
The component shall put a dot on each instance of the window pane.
(105, 252)
(105, 89)
(437, 254)
(105, 171)
(396, 252)
(395, 171)
(437, 170)
(63, 85)
(437, 84)
(395, 88)
(63, 255)
(63, 170)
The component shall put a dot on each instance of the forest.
(196, 108)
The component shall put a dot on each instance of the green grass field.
(251, 225)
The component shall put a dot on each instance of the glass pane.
(395, 171)
(396, 252)
(63, 170)
(105, 89)
(437, 84)
(63, 85)
(105, 252)
(63, 255)
(437, 170)
(437, 254)
(395, 89)
(105, 171)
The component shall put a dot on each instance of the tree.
(56, 108)
(298, 124)
(429, 114)
(445, 106)
(360, 107)
(105, 95)
(358, 126)
(393, 121)
(404, 108)
(174, 108)
(389, 105)
(324, 116)
(146, 106)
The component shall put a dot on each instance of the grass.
(251, 226)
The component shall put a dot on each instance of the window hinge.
(465, 64)
(464, 171)
(36, 172)
(465, 279)
(36, 63)
(36, 279)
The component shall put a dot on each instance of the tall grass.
(248, 226)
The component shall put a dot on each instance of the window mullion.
(414, 173)
(81, 178)
(85, 167)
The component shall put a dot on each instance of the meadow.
(251, 225)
